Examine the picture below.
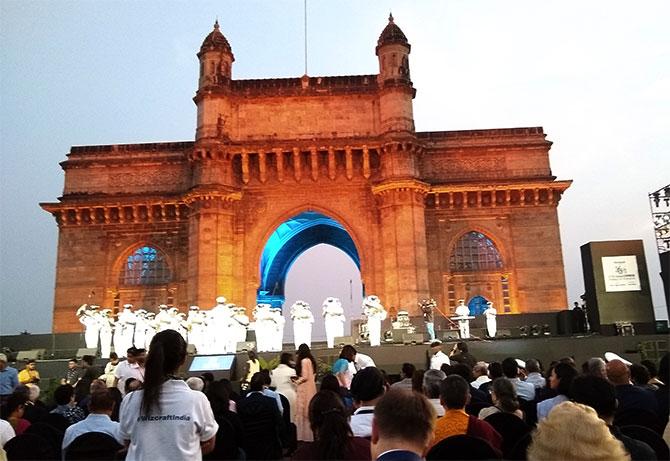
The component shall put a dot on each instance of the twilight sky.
(595, 75)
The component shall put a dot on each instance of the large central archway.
(292, 238)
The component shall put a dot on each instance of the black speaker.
(82, 351)
(413, 338)
(397, 335)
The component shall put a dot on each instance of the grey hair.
(431, 383)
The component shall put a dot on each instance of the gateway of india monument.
(280, 165)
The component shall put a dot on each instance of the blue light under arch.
(292, 238)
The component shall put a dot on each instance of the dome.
(391, 34)
(216, 41)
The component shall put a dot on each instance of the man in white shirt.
(406, 374)
(438, 358)
(6, 432)
(481, 374)
(534, 376)
(363, 361)
(524, 390)
(367, 388)
(101, 407)
(132, 367)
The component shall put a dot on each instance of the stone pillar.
(403, 234)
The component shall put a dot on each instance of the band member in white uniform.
(277, 329)
(491, 323)
(464, 324)
(196, 325)
(127, 320)
(302, 323)
(140, 328)
(240, 324)
(106, 328)
(333, 316)
(218, 327)
(263, 324)
(87, 316)
(152, 329)
(162, 318)
(375, 313)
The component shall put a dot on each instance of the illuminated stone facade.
(450, 214)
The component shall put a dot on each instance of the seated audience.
(100, 407)
(65, 405)
(367, 388)
(454, 396)
(653, 373)
(35, 409)
(230, 435)
(480, 373)
(6, 432)
(596, 367)
(511, 370)
(628, 395)
(534, 374)
(402, 427)
(663, 393)
(431, 389)
(560, 378)
(495, 371)
(13, 410)
(640, 377)
(574, 431)
(600, 395)
(331, 383)
(406, 374)
(195, 384)
(333, 438)
(131, 384)
(504, 399)
(262, 422)
(460, 354)
(95, 385)
(477, 397)
(417, 381)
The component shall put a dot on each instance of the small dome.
(215, 41)
(391, 34)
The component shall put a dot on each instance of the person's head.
(101, 402)
(596, 366)
(31, 364)
(367, 386)
(463, 370)
(495, 370)
(574, 431)
(504, 395)
(402, 420)
(195, 383)
(651, 368)
(131, 384)
(618, 373)
(480, 369)
(97, 385)
(431, 383)
(257, 382)
(114, 357)
(597, 393)
(252, 355)
(533, 366)
(639, 374)
(417, 381)
(64, 394)
(435, 346)
(510, 367)
(33, 392)
(561, 377)
(348, 352)
(14, 406)
(330, 383)
(219, 397)
(462, 347)
(87, 361)
(167, 354)
(328, 421)
(454, 392)
(407, 370)
(286, 359)
(72, 364)
(3, 361)
(267, 379)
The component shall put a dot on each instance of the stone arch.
(120, 261)
(497, 242)
(291, 237)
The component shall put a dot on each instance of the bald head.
(618, 373)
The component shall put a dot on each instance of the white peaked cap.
(221, 300)
(372, 301)
(609, 356)
(194, 308)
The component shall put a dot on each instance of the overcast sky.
(594, 74)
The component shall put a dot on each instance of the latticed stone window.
(475, 252)
(146, 266)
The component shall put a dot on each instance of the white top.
(281, 379)
(536, 379)
(125, 370)
(479, 381)
(524, 390)
(93, 423)
(437, 360)
(462, 310)
(174, 432)
(361, 422)
(363, 361)
(6, 432)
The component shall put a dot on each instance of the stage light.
(535, 330)
(523, 330)
(546, 331)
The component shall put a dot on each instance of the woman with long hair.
(230, 436)
(333, 438)
(504, 399)
(165, 419)
(305, 368)
(560, 379)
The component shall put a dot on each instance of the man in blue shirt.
(101, 407)
(9, 379)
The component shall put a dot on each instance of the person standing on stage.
(463, 311)
(87, 316)
(106, 332)
(302, 317)
(427, 306)
(491, 323)
(333, 316)
(375, 313)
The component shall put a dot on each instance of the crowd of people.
(459, 407)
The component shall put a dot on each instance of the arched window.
(474, 251)
(145, 266)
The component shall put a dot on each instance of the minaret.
(216, 63)
(394, 78)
